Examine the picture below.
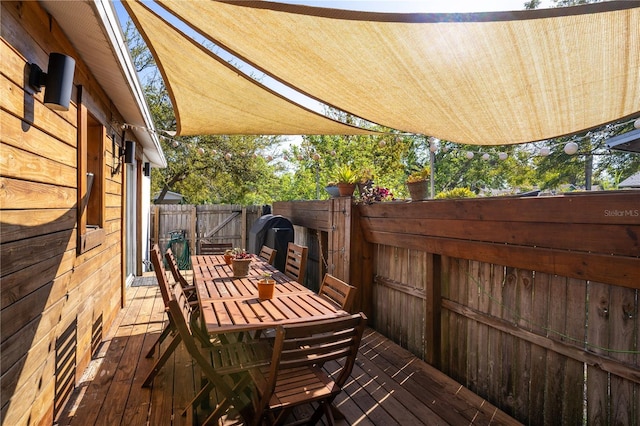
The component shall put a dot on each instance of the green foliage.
(419, 175)
(456, 193)
(345, 174)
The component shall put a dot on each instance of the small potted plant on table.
(228, 256)
(266, 286)
(241, 262)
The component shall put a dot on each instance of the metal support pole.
(432, 180)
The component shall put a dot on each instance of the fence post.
(433, 304)
(192, 230)
(243, 228)
(156, 225)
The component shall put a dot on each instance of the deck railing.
(531, 303)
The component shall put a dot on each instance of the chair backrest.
(268, 254)
(296, 262)
(175, 270)
(337, 292)
(214, 248)
(161, 275)
(312, 343)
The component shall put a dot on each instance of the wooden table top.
(231, 304)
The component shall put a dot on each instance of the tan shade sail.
(211, 97)
(485, 78)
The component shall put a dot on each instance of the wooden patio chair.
(225, 367)
(170, 328)
(268, 254)
(207, 247)
(189, 289)
(295, 375)
(296, 262)
(337, 292)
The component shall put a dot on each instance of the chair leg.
(208, 387)
(323, 409)
(159, 340)
(224, 405)
(175, 341)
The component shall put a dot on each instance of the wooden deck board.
(388, 386)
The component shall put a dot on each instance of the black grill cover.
(274, 231)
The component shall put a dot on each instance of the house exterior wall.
(52, 292)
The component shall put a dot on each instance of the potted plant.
(365, 180)
(240, 262)
(346, 180)
(417, 183)
(266, 286)
(228, 255)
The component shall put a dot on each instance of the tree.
(204, 169)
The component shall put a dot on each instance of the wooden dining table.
(231, 304)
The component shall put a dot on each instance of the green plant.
(419, 175)
(239, 253)
(345, 174)
(456, 193)
(365, 175)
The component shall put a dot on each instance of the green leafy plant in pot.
(417, 183)
(241, 262)
(346, 179)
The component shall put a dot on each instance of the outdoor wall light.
(147, 169)
(129, 152)
(58, 80)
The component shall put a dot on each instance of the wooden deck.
(389, 385)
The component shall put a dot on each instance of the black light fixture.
(58, 80)
(129, 152)
(147, 169)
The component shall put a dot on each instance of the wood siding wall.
(530, 302)
(52, 299)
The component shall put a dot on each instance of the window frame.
(91, 158)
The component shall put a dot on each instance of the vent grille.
(66, 346)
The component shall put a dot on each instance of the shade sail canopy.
(482, 78)
(211, 97)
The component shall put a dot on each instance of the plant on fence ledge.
(417, 183)
(376, 195)
(456, 193)
(346, 179)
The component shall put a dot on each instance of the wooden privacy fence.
(220, 223)
(532, 303)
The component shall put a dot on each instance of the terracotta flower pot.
(417, 190)
(240, 267)
(266, 287)
(346, 189)
(228, 258)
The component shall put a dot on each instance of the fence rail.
(532, 303)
